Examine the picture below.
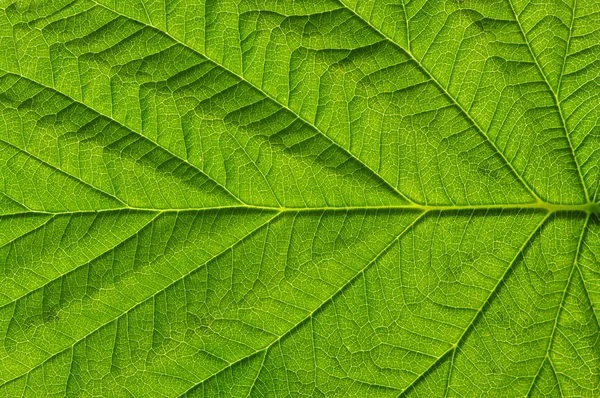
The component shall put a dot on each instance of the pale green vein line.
(27, 212)
(479, 311)
(561, 304)
(556, 375)
(49, 281)
(78, 340)
(407, 25)
(53, 167)
(13, 240)
(264, 93)
(585, 288)
(562, 68)
(22, 205)
(454, 100)
(555, 96)
(109, 117)
(535, 379)
(262, 363)
(325, 302)
(14, 201)
(70, 374)
(589, 208)
(447, 387)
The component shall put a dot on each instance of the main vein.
(589, 208)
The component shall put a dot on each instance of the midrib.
(589, 208)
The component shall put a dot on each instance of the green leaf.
(379, 198)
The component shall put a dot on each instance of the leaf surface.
(260, 198)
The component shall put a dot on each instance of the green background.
(271, 198)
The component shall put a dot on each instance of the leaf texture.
(319, 198)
